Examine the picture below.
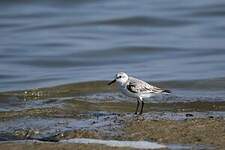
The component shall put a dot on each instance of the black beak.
(112, 82)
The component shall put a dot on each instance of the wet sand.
(55, 146)
(207, 132)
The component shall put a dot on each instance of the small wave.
(140, 21)
(211, 84)
(185, 91)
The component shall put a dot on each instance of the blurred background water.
(47, 43)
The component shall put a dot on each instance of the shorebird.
(136, 88)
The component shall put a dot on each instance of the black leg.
(137, 107)
(142, 102)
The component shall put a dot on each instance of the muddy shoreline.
(41, 118)
(192, 129)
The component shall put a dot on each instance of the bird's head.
(120, 78)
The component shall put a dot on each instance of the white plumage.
(136, 88)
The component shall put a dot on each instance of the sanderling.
(136, 88)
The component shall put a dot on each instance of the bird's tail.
(166, 91)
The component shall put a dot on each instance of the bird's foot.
(140, 113)
(139, 118)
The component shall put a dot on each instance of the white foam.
(116, 143)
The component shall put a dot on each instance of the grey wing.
(139, 86)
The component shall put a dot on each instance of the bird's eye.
(119, 77)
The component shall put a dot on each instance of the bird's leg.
(142, 105)
(137, 106)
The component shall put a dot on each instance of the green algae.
(125, 106)
(67, 90)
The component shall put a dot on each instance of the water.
(46, 43)
(179, 45)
